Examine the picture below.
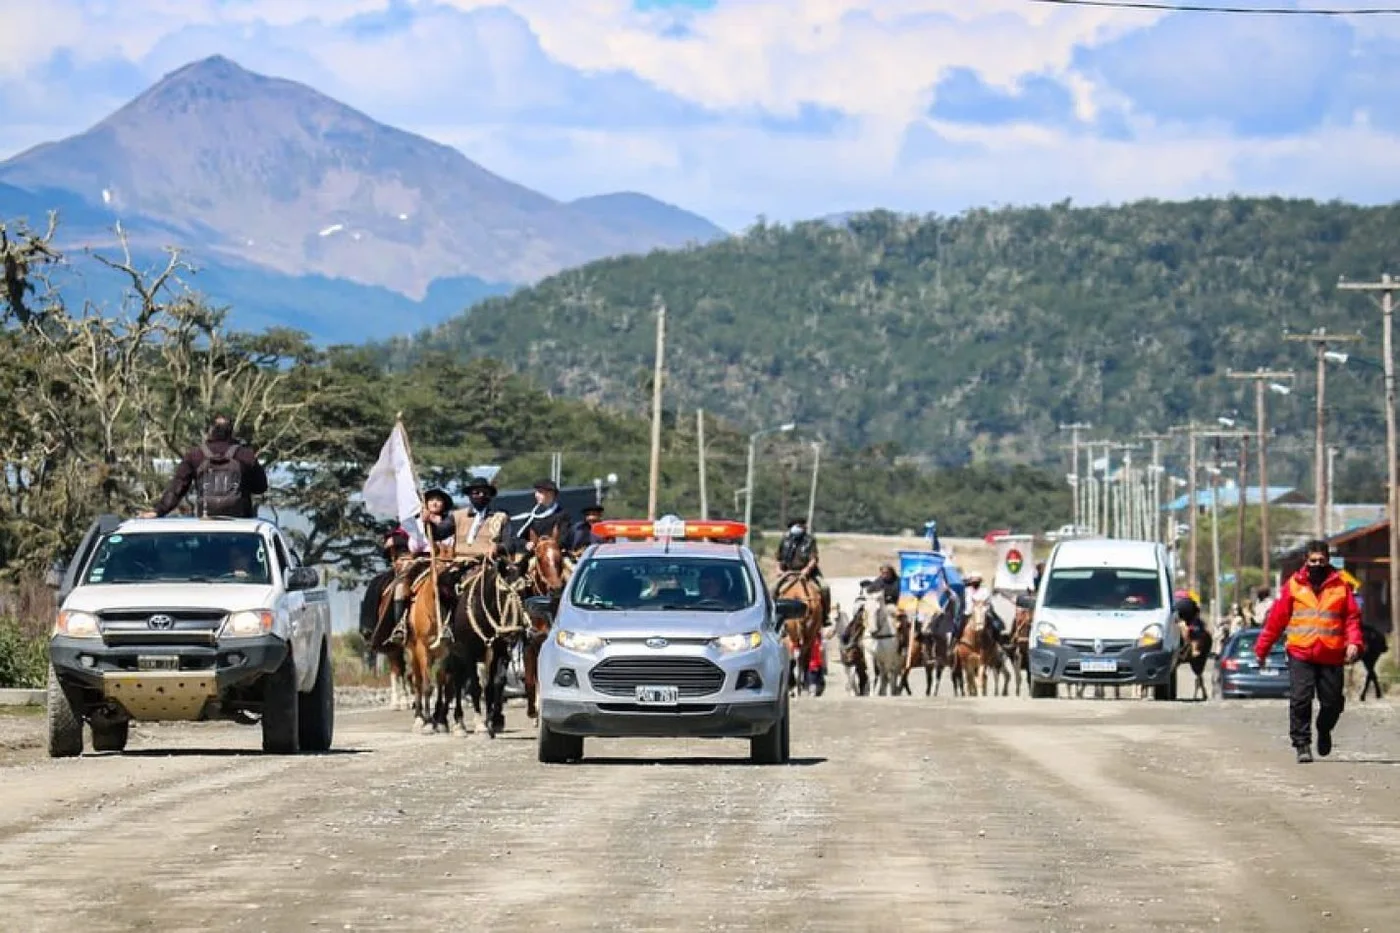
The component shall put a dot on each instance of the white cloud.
(583, 96)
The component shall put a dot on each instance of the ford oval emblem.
(160, 622)
(657, 643)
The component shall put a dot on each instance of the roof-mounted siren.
(669, 528)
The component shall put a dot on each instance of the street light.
(748, 483)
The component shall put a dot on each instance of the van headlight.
(1151, 636)
(1045, 634)
(731, 644)
(248, 624)
(580, 643)
(76, 624)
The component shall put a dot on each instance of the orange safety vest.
(1318, 618)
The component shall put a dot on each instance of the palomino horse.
(1021, 645)
(375, 628)
(545, 577)
(850, 632)
(882, 642)
(488, 619)
(801, 634)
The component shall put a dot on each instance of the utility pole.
(1158, 531)
(1124, 511)
(700, 443)
(1215, 472)
(1191, 470)
(1239, 519)
(1074, 430)
(1331, 480)
(1386, 286)
(1260, 377)
(1320, 339)
(656, 412)
(812, 497)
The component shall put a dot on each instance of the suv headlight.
(247, 624)
(1152, 635)
(731, 644)
(76, 624)
(1045, 634)
(575, 641)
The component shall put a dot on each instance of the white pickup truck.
(181, 619)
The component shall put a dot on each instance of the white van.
(1104, 615)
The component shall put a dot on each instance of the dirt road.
(997, 814)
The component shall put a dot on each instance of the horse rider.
(407, 561)
(797, 553)
(480, 531)
(886, 583)
(225, 475)
(581, 535)
(546, 519)
(976, 595)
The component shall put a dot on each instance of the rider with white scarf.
(547, 518)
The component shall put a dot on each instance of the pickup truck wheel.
(771, 748)
(316, 716)
(556, 749)
(64, 725)
(280, 708)
(111, 737)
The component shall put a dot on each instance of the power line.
(1197, 8)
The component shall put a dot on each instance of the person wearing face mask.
(797, 553)
(1317, 616)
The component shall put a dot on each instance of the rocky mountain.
(250, 171)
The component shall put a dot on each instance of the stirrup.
(400, 633)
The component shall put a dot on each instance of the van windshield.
(1103, 588)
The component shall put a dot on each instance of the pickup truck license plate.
(658, 696)
(1099, 665)
(157, 662)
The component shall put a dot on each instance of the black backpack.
(219, 484)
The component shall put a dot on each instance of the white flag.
(1015, 567)
(392, 488)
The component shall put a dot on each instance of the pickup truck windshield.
(662, 583)
(1103, 589)
(180, 557)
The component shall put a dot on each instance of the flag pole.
(423, 520)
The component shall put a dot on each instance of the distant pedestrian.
(1317, 615)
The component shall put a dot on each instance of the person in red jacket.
(1317, 615)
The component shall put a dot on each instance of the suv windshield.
(1103, 588)
(663, 582)
(181, 557)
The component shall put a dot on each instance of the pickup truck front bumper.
(91, 664)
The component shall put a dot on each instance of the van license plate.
(157, 662)
(658, 696)
(1099, 665)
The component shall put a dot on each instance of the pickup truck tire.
(316, 715)
(771, 748)
(557, 749)
(281, 705)
(111, 737)
(65, 727)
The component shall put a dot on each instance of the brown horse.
(424, 650)
(967, 653)
(1021, 646)
(801, 634)
(993, 656)
(375, 627)
(545, 577)
(851, 631)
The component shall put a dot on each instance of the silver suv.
(664, 638)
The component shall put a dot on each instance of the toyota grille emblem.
(161, 622)
(1098, 646)
(657, 643)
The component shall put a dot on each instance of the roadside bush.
(24, 656)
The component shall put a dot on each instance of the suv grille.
(620, 677)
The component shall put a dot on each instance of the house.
(1365, 553)
(1229, 498)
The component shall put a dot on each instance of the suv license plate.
(1268, 672)
(658, 696)
(1099, 665)
(157, 662)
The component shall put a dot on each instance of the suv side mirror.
(303, 578)
(540, 608)
(790, 609)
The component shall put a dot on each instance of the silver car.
(677, 639)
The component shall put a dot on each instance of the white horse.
(881, 643)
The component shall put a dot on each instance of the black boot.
(399, 611)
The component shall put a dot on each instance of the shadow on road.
(692, 762)
(220, 753)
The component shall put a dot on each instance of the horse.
(545, 577)
(1195, 651)
(883, 647)
(488, 618)
(910, 648)
(1021, 645)
(375, 627)
(424, 656)
(968, 650)
(938, 650)
(1372, 649)
(990, 655)
(850, 631)
(801, 634)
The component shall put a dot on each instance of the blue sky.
(781, 108)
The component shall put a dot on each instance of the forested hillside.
(969, 338)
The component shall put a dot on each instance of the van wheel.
(316, 710)
(65, 728)
(280, 707)
(111, 737)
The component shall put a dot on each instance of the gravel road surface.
(911, 813)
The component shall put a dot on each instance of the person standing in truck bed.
(225, 475)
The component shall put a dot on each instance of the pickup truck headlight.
(731, 644)
(76, 624)
(1045, 634)
(1152, 635)
(247, 624)
(574, 641)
